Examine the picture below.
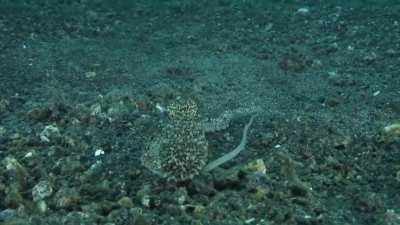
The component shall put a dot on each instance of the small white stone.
(250, 220)
(99, 152)
(350, 47)
(28, 154)
(160, 108)
(44, 139)
(303, 10)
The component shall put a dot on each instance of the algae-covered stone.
(144, 196)
(80, 218)
(132, 216)
(125, 202)
(260, 193)
(42, 190)
(4, 104)
(392, 130)
(3, 131)
(18, 171)
(39, 113)
(257, 166)
(13, 197)
(50, 133)
(8, 214)
(66, 198)
(42, 206)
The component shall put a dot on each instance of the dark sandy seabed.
(82, 84)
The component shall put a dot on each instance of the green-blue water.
(199, 112)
